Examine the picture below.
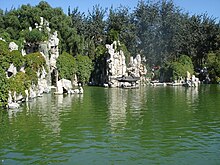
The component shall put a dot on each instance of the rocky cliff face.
(116, 66)
(50, 51)
(136, 68)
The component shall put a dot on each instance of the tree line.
(159, 31)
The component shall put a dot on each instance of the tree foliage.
(66, 65)
(213, 65)
(34, 36)
(19, 83)
(16, 58)
(4, 53)
(34, 62)
(3, 88)
(157, 30)
(177, 70)
(84, 68)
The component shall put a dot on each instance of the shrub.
(66, 66)
(16, 58)
(177, 69)
(19, 83)
(213, 65)
(34, 36)
(3, 87)
(84, 68)
(34, 62)
(4, 53)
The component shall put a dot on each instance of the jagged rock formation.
(53, 48)
(50, 51)
(137, 69)
(12, 71)
(45, 76)
(191, 80)
(116, 66)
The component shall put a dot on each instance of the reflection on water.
(150, 125)
(117, 104)
(49, 108)
(13, 112)
(192, 96)
(124, 101)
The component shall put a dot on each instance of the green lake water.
(150, 125)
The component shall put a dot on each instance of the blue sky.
(212, 7)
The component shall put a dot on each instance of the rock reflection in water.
(49, 109)
(192, 96)
(136, 100)
(13, 112)
(124, 101)
(117, 108)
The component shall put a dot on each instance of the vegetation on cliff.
(18, 83)
(213, 65)
(34, 62)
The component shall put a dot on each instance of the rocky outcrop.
(12, 70)
(54, 50)
(116, 66)
(65, 86)
(191, 81)
(137, 69)
(50, 51)
(13, 46)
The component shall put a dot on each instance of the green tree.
(66, 65)
(96, 25)
(121, 27)
(3, 88)
(78, 21)
(84, 68)
(16, 58)
(4, 55)
(213, 65)
(19, 83)
(176, 70)
(34, 36)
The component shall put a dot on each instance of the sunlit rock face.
(13, 46)
(136, 68)
(116, 66)
(53, 48)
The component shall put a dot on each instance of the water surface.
(150, 125)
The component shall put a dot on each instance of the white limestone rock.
(59, 88)
(66, 84)
(12, 70)
(53, 47)
(115, 63)
(13, 46)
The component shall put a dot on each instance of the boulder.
(59, 88)
(66, 84)
(13, 46)
(12, 70)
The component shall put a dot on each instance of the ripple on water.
(115, 126)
